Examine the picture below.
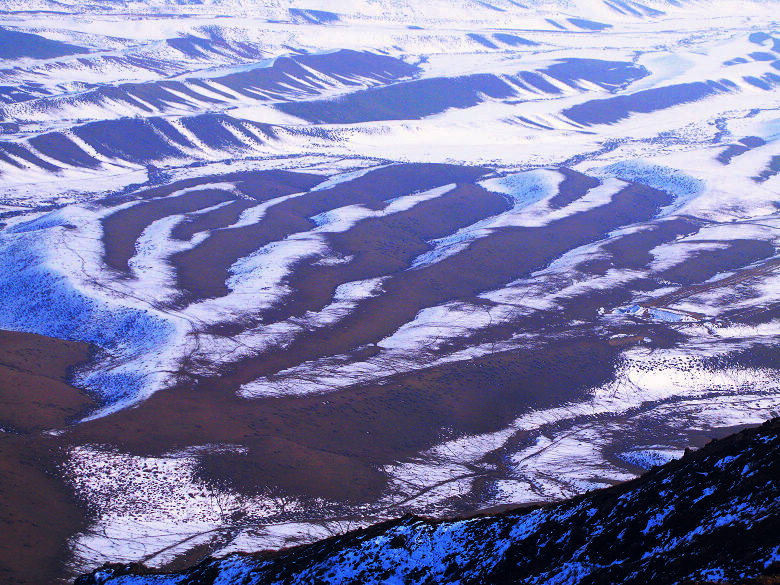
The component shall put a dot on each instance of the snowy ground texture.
(560, 220)
(709, 516)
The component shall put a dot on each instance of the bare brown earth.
(763, 268)
(706, 264)
(122, 228)
(632, 250)
(604, 530)
(211, 220)
(490, 262)
(573, 186)
(385, 245)
(38, 513)
(204, 270)
(33, 394)
(335, 446)
(332, 448)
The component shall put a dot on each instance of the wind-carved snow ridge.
(155, 245)
(346, 177)
(343, 218)
(413, 346)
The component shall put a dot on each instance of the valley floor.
(271, 273)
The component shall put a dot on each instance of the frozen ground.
(409, 209)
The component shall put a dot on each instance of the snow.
(186, 510)
(653, 314)
(522, 189)
(343, 218)
(648, 458)
(53, 279)
(684, 188)
(39, 295)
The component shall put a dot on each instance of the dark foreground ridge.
(710, 517)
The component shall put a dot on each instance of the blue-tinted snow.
(655, 314)
(37, 299)
(681, 186)
(16, 44)
(521, 189)
(648, 458)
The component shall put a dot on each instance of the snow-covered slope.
(343, 260)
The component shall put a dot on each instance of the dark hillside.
(710, 517)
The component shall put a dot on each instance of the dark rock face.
(711, 516)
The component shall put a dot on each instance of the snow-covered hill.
(338, 261)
